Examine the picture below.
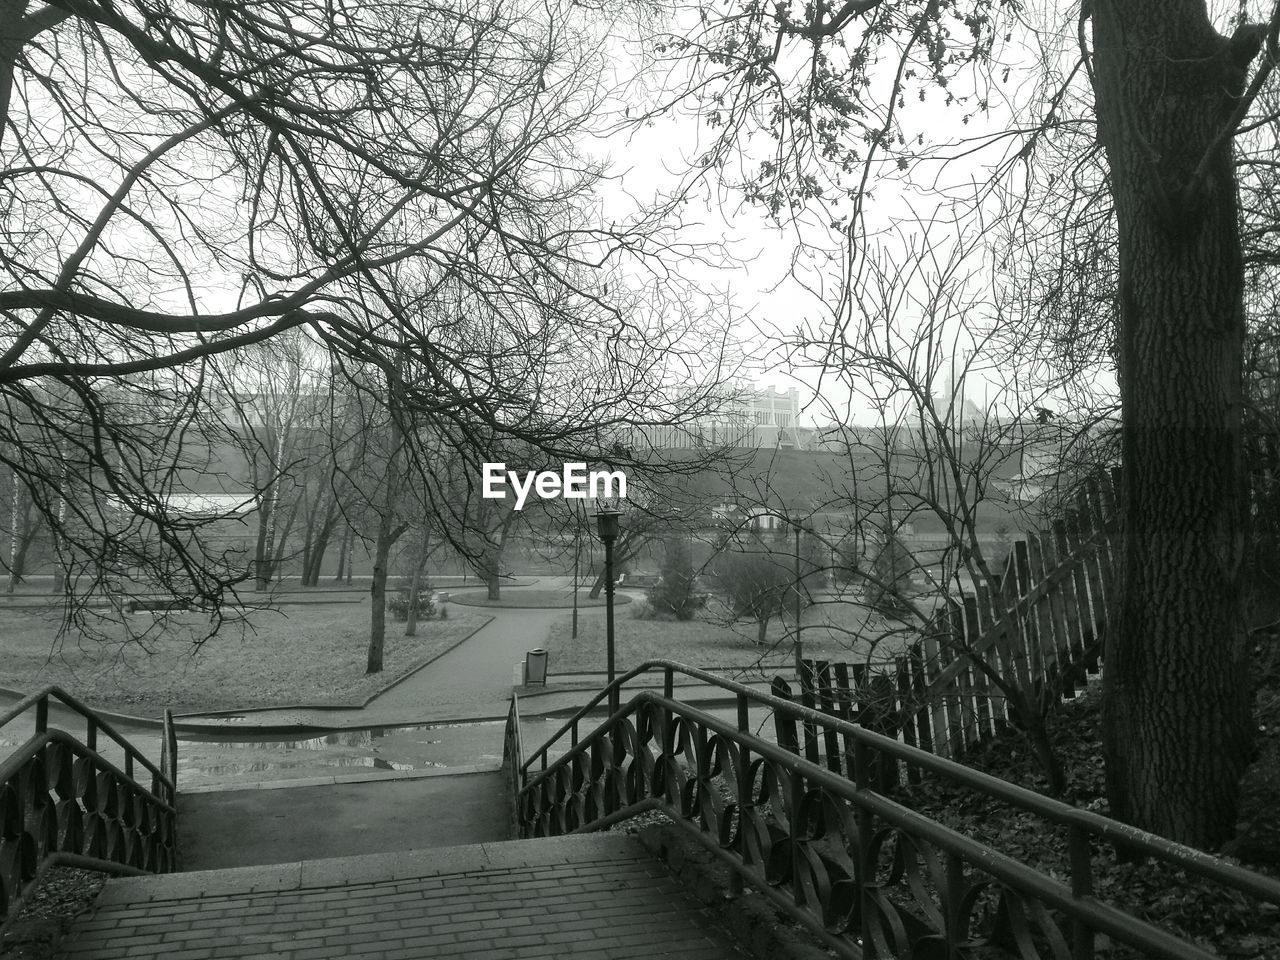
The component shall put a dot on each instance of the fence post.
(826, 703)
(844, 710)
(919, 687)
(886, 767)
(977, 679)
(906, 719)
(807, 699)
(784, 726)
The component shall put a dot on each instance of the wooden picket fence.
(1040, 631)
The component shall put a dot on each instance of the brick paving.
(597, 897)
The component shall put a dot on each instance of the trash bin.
(535, 667)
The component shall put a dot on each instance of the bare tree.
(1172, 86)
(181, 182)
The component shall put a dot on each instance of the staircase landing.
(596, 896)
(289, 821)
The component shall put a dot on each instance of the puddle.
(227, 756)
(222, 757)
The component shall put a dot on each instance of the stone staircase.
(269, 873)
(598, 896)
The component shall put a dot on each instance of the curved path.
(472, 681)
(448, 715)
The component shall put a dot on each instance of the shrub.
(426, 605)
(674, 594)
(756, 586)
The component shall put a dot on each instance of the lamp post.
(577, 557)
(795, 525)
(607, 529)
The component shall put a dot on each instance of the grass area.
(533, 599)
(299, 654)
(834, 631)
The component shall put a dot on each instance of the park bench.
(156, 604)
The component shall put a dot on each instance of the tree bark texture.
(378, 596)
(1177, 701)
(261, 562)
(388, 532)
(344, 548)
(415, 581)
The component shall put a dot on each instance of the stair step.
(287, 824)
(600, 895)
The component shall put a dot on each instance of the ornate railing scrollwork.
(61, 801)
(869, 876)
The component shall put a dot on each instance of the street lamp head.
(607, 522)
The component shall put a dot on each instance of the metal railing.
(869, 876)
(513, 761)
(62, 802)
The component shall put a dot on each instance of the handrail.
(1102, 916)
(1196, 861)
(13, 763)
(517, 740)
(40, 700)
(670, 666)
(169, 748)
(63, 801)
(792, 831)
(512, 761)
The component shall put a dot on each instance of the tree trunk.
(319, 531)
(311, 573)
(344, 547)
(378, 620)
(387, 534)
(1176, 693)
(415, 580)
(23, 536)
(14, 573)
(763, 630)
(261, 563)
(308, 544)
(275, 563)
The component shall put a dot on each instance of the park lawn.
(298, 654)
(711, 641)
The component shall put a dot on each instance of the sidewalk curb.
(342, 779)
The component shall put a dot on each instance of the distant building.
(761, 419)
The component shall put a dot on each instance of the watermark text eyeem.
(573, 482)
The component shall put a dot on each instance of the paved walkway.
(286, 822)
(471, 682)
(592, 898)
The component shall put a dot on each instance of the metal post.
(577, 555)
(608, 622)
(798, 651)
